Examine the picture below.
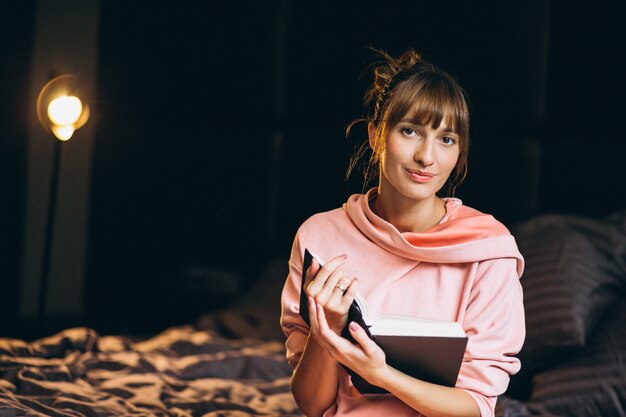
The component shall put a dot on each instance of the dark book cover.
(428, 358)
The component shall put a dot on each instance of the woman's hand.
(316, 378)
(333, 289)
(366, 358)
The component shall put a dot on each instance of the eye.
(408, 131)
(447, 140)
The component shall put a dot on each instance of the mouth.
(420, 176)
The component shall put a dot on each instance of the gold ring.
(342, 289)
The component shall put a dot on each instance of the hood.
(463, 235)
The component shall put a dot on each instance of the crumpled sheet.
(180, 372)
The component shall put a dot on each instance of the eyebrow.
(418, 123)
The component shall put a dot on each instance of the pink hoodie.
(465, 269)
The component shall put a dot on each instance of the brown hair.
(409, 84)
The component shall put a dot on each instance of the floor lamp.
(61, 111)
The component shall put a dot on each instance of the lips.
(420, 176)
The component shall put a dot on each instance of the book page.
(413, 326)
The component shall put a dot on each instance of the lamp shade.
(61, 106)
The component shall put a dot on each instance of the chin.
(419, 195)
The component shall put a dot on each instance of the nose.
(424, 153)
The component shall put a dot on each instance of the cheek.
(394, 151)
(447, 163)
(451, 160)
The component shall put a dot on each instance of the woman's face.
(417, 160)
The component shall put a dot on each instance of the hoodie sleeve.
(494, 322)
(295, 328)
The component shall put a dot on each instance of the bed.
(183, 371)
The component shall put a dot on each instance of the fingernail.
(353, 326)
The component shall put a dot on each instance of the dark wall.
(220, 128)
(16, 34)
(181, 156)
(583, 167)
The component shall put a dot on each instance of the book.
(429, 350)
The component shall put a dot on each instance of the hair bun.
(387, 68)
(408, 59)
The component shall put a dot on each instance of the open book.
(429, 350)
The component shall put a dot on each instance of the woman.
(409, 252)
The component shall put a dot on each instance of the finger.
(320, 318)
(350, 293)
(333, 288)
(311, 272)
(328, 334)
(330, 338)
(361, 337)
(322, 275)
(313, 315)
(341, 349)
(336, 302)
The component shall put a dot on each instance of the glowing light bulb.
(63, 132)
(65, 111)
(61, 107)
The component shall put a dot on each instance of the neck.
(409, 215)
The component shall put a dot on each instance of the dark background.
(187, 168)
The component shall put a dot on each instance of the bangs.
(428, 101)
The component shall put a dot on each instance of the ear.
(371, 133)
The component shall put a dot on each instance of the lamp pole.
(48, 238)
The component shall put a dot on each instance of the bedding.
(574, 357)
(182, 371)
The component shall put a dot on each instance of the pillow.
(571, 276)
(593, 382)
(617, 222)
